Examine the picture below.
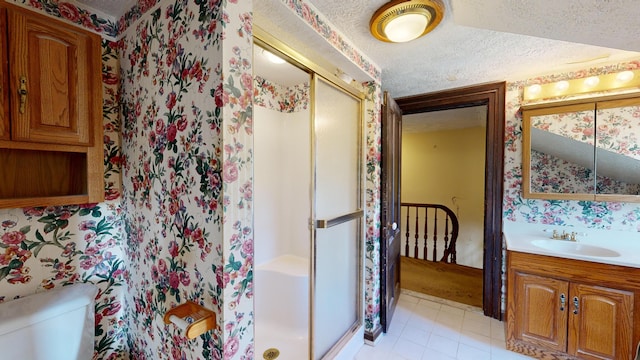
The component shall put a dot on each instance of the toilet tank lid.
(32, 309)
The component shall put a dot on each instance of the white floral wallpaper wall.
(46, 248)
(187, 140)
(601, 215)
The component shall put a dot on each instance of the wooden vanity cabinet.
(570, 309)
(51, 146)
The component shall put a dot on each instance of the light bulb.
(591, 81)
(625, 76)
(562, 85)
(535, 89)
(406, 27)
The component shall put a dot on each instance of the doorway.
(443, 165)
(493, 96)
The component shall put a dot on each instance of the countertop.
(522, 236)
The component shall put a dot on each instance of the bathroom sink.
(576, 248)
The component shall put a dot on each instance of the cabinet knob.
(576, 305)
(563, 300)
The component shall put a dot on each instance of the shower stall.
(308, 207)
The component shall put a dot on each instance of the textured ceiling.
(477, 41)
(475, 116)
(456, 54)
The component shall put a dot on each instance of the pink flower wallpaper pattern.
(308, 13)
(187, 133)
(373, 155)
(75, 14)
(271, 95)
(46, 248)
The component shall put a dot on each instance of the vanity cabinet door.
(600, 323)
(540, 312)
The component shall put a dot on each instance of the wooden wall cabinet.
(556, 310)
(51, 147)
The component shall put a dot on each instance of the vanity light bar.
(615, 81)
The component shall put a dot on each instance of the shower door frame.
(266, 41)
(358, 215)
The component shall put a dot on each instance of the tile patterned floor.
(425, 327)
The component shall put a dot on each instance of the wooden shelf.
(50, 201)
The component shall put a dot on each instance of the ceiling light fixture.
(406, 20)
(627, 81)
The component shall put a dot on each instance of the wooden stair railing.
(419, 213)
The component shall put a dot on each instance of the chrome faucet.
(564, 236)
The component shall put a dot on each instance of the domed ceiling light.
(406, 20)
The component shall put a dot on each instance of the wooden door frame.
(493, 96)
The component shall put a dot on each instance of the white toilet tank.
(54, 325)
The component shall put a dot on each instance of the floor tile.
(475, 340)
(408, 349)
(427, 328)
(416, 334)
(466, 352)
(443, 345)
(497, 329)
(430, 354)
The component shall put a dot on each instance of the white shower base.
(282, 307)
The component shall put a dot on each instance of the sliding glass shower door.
(338, 218)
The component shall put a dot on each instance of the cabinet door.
(55, 80)
(600, 324)
(5, 130)
(541, 315)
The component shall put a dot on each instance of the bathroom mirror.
(585, 149)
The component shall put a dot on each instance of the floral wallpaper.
(46, 248)
(600, 215)
(551, 174)
(74, 14)
(187, 179)
(309, 14)
(135, 13)
(579, 125)
(618, 130)
(373, 148)
(274, 96)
